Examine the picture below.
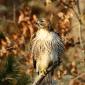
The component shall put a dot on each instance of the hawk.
(47, 47)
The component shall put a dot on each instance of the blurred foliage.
(13, 72)
(17, 28)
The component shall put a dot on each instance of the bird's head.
(43, 23)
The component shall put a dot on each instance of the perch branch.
(41, 77)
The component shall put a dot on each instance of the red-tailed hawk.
(47, 47)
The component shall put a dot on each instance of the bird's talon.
(43, 72)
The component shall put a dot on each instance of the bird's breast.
(43, 34)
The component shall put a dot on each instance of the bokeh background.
(17, 29)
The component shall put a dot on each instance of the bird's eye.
(42, 21)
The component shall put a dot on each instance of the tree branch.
(80, 30)
(80, 75)
(41, 77)
(80, 22)
(78, 6)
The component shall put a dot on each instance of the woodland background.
(17, 19)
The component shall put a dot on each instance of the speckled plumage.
(47, 47)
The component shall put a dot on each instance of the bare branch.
(80, 30)
(71, 82)
(80, 21)
(78, 7)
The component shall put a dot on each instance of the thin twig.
(80, 30)
(80, 21)
(78, 6)
(73, 11)
(71, 82)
